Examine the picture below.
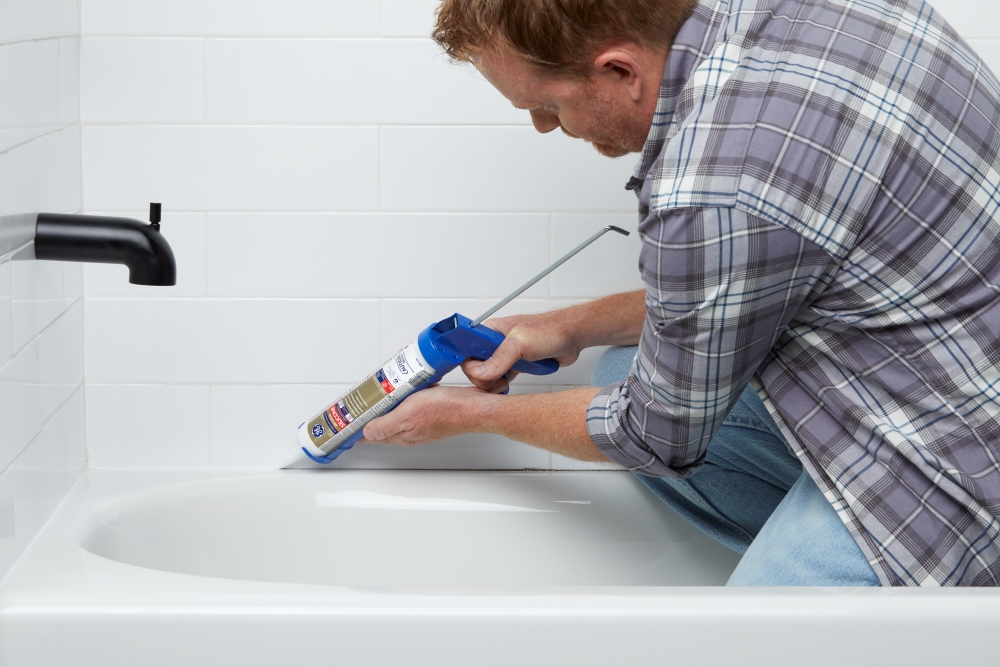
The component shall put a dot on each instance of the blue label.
(380, 376)
(318, 431)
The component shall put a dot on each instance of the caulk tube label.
(373, 397)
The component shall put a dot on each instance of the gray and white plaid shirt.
(819, 197)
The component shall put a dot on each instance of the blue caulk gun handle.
(444, 346)
(451, 341)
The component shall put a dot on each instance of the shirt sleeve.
(721, 287)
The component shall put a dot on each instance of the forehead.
(517, 81)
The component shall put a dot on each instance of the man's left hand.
(431, 414)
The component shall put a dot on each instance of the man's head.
(591, 67)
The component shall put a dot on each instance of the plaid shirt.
(818, 197)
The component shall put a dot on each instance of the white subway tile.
(498, 169)
(231, 17)
(973, 19)
(402, 321)
(407, 18)
(6, 321)
(31, 85)
(60, 358)
(17, 22)
(375, 255)
(610, 265)
(56, 17)
(76, 435)
(19, 180)
(8, 509)
(305, 81)
(231, 168)
(256, 426)
(59, 171)
(230, 341)
(147, 426)
(41, 474)
(72, 281)
(37, 298)
(20, 403)
(142, 80)
(69, 79)
(186, 234)
(989, 51)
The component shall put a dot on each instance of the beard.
(617, 131)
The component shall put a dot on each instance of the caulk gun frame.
(516, 293)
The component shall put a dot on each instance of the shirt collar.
(692, 44)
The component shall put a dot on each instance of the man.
(817, 379)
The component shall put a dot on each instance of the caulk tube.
(438, 350)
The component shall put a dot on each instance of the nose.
(544, 121)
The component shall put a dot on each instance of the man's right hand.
(562, 334)
(530, 337)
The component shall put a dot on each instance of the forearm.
(555, 421)
(613, 320)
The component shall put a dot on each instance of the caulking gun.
(438, 350)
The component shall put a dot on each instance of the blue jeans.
(752, 495)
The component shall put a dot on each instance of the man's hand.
(530, 337)
(555, 421)
(432, 414)
(613, 320)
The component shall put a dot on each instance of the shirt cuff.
(606, 416)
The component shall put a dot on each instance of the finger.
(508, 354)
(500, 386)
(486, 385)
(382, 428)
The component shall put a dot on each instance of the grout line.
(208, 248)
(51, 131)
(305, 124)
(45, 423)
(369, 212)
(204, 56)
(378, 185)
(260, 36)
(211, 419)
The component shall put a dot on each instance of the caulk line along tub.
(438, 350)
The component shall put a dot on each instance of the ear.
(621, 67)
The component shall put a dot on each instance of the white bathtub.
(432, 568)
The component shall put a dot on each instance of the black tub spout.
(106, 240)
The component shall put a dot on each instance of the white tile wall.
(374, 255)
(42, 440)
(230, 340)
(141, 426)
(306, 81)
(198, 168)
(407, 18)
(230, 17)
(142, 80)
(331, 185)
(498, 169)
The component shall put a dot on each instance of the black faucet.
(106, 240)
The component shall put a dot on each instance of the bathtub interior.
(396, 528)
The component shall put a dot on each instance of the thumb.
(508, 354)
